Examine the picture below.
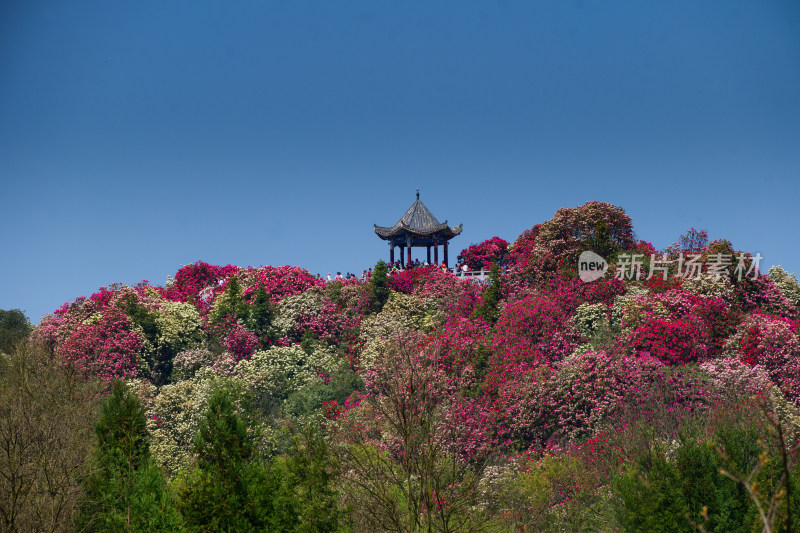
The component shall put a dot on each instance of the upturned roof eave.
(387, 233)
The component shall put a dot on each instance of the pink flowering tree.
(416, 437)
(199, 282)
(770, 342)
(482, 255)
(105, 346)
(278, 282)
(578, 395)
(113, 333)
(239, 342)
(764, 294)
(530, 332)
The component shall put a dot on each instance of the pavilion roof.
(418, 220)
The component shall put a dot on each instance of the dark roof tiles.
(417, 220)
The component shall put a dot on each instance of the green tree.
(260, 318)
(379, 283)
(125, 490)
(652, 496)
(230, 304)
(230, 489)
(489, 309)
(14, 328)
(312, 473)
(601, 241)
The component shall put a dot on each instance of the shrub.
(573, 399)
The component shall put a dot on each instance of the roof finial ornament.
(417, 193)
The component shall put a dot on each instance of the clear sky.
(136, 137)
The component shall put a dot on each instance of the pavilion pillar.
(409, 255)
(391, 255)
(436, 254)
(429, 254)
(445, 255)
(402, 252)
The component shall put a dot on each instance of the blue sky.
(136, 137)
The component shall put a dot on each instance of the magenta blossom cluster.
(278, 282)
(239, 342)
(191, 280)
(483, 255)
(106, 346)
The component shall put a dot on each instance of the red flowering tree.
(191, 280)
(482, 255)
(674, 342)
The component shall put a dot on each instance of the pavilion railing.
(475, 275)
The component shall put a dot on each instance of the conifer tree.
(261, 318)
(312, 471)
(489, 309)
(380, 286)
(229, 489)
(126, 490)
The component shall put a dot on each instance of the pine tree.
(126, 490)
(261, 318)
(230, 489)
(489, 309)
(380, 286)
(312, 470)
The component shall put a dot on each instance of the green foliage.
(312, 474)
(601, 241)
(175, 327)
(308, 399)
(489, 309)
(230, 489)
(142, 317)
(230, 304)
(380, 286)
(14, 328)
(125, 491)
(679, 485)
(653, 499)
(261, 317)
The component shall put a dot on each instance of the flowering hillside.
(417, 401)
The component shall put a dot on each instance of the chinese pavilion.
(418, 227)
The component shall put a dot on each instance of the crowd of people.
(397, 266)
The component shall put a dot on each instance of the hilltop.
(533, 399)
